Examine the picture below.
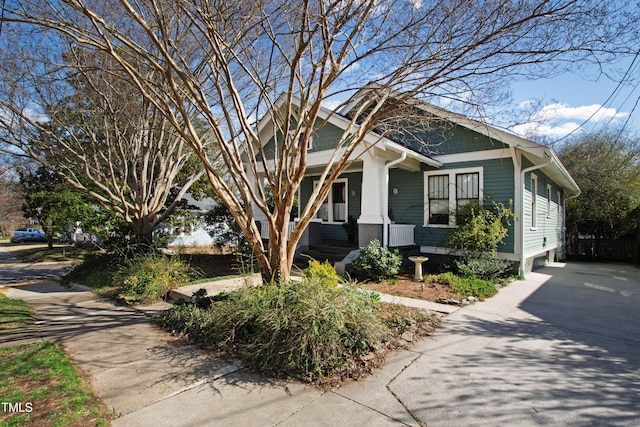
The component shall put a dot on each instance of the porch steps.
(332, 251)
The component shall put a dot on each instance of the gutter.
(385, 199)
(394, 146)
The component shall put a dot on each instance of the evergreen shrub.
(377, 263)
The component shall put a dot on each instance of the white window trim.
(302, 131)
(549, 200)
(330, 201)
(452, 192)
(534, 202)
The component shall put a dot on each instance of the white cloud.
(534, 129)
(558, 120)
(352, 67)
(559, 111)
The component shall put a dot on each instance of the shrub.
(480, 229)
(303, 329)
(321, 272)
(465, 286)
(96, 270)
(483, 268)
(476, 287)
(377, 263)
(149, 277)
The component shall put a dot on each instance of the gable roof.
(538, 154)
(340, 120)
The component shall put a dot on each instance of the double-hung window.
(438, 199)
(448, 192)
(534, 201)
(548, 200)
(467, 190)
(558, 212)
(301, 133)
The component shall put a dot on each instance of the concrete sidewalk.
(148, 378)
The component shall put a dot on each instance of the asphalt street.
(14, 272)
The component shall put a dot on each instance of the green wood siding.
(548, 230)
(326, 138)
(408, 206)
(452, 140)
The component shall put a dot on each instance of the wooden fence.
(602, 249)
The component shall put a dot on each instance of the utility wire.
(609, 98)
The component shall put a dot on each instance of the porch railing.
(401, 235)
(264, 229)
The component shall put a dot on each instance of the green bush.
(465, 286)
(149, 277)
(303, 329)
(96, 270)
(321, 272)
(481, 229)
(377, 263)
(483, 268)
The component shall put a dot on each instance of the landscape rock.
(407, 336)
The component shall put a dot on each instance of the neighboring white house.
(189, 230)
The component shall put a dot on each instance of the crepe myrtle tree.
(101, 136)
(233, 63)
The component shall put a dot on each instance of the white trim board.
(500, 153)
(439, 250)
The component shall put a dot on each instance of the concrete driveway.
(561, 348)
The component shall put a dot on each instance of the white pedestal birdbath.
(418, 260)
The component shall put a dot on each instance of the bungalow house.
(406, 194)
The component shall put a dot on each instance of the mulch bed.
(405, 286)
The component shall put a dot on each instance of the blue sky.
(580, 102)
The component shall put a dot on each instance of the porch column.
(258, 215)
(372, 216)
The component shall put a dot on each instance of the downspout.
(385, 199)
(522, 175)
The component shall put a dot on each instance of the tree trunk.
(278, 255)
(143, 228)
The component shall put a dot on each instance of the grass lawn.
(14, 313)
(38, 384)
(42, 254)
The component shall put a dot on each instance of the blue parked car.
(28, 235)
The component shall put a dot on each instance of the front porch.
(319, 234)
(360, 206)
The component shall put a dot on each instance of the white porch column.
(258, 215)
(373, 181)
(370, 223)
